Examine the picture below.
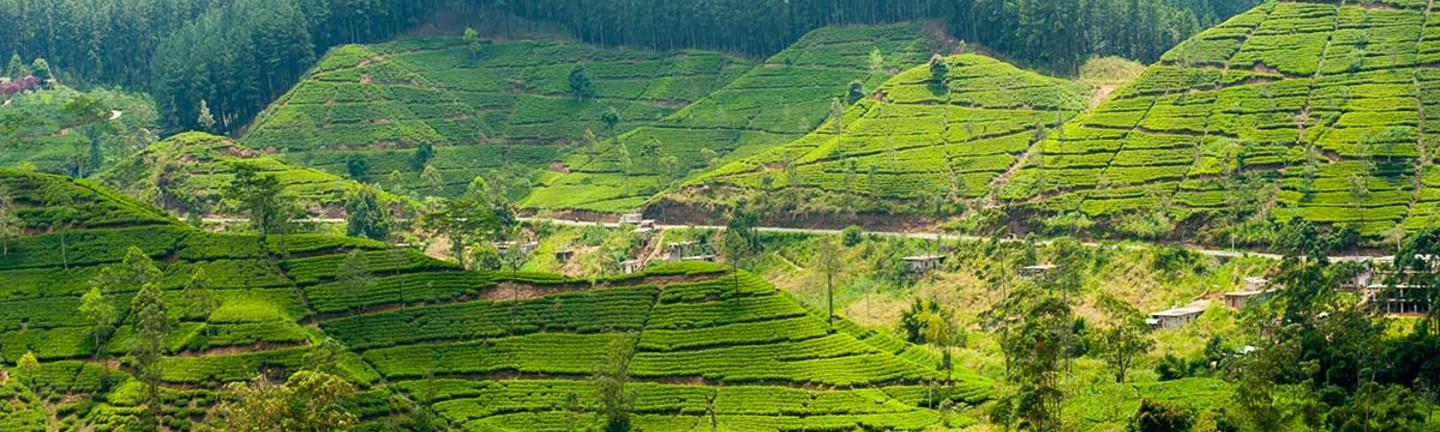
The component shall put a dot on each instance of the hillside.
(189, 173)
(483, 351)
(913, 140)
(63, 130)
(782, 100)
(1308, 110)
(509, 102)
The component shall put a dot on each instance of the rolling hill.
(1311, 110)
(189, 173)
(913, 139)
(782, 100)
(508, 102)
(64, 130)
(485, 351)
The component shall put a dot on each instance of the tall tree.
(200, 302)
(829, 261)
(580, 85)
(28, 368)
(99, 313)
(309, 401)
(365, 215)
(1124, 340)
(612, 376)
(261, 198)
(206, 120)
(354, 280)
(11, 225)
(472, 42)
(152, 323)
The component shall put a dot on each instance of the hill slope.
(189, 172)
(1307, 110)
(914, 140)
(63, 130)
(508, 103)
(773, 104)
(483, 350)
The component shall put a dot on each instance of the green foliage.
(307, 401)
(1160, 416)
(365, 214)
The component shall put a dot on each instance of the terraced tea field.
(915, 139)
(488, 351)
(1327, 105)
(44, 129)
(190, 171)
(782, 100)
(510, 102)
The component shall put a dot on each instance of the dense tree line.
(1051, 34)
(237, 56)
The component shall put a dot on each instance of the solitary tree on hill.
(828, 261)
(739, 240)
(261, 198)
(423, 153)
(432, 177)
(876, 63)
(651, 152)
(354, 279)
(10, 223)
(200, 302)
(99, 314)
(611, 119)
(206, 120)
(365, 215)
(29, 368)
(938, 71)
(626, 163)
(152, 324)
(579, 82)
(856, 92)
(611, 377)
(837, 116)
(472, 41)
(60, 203)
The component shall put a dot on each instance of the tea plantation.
(189, 172)
(772, 104)
(63, 130)
(916, 137)
(505, 102)
(1323, 105)
(485, 351)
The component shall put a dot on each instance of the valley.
(761, 215)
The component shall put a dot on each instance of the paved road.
(951, 237)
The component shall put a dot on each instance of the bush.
(1160, 416)
(852, 236)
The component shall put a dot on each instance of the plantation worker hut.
(564, 256)
(679, 250)
(1240, 300)
(705, 258)
(1171, 319)
(1034, 271)
(632, 219)
(632, 266)
(922, 264)
(1400, 299)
